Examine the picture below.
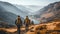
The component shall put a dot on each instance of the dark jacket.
(27, 21)
(18, 22)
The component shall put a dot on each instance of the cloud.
(31, 2)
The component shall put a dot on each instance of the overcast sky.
(31, 2)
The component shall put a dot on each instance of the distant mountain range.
(48, 13)
(33, 8)
(29, 9)
(7, 16)
(11, 8)
(9, 12)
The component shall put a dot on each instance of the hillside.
(48, 13)
(7, 16)
(8, 12)
(12, 8)
(49, 28)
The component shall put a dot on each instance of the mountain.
(29, 9)
(33, 8)
(48, 13)
(12, 8)
(6, 16)
(23, 8)
(10, 11)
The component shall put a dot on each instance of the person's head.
(26, 16)
(18, 17)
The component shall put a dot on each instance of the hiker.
(18, 22)
(27, 23)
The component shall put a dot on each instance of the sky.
(31, 2)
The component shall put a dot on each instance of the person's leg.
(27, 27)
(18, 29)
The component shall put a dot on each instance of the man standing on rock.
(18, 22)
